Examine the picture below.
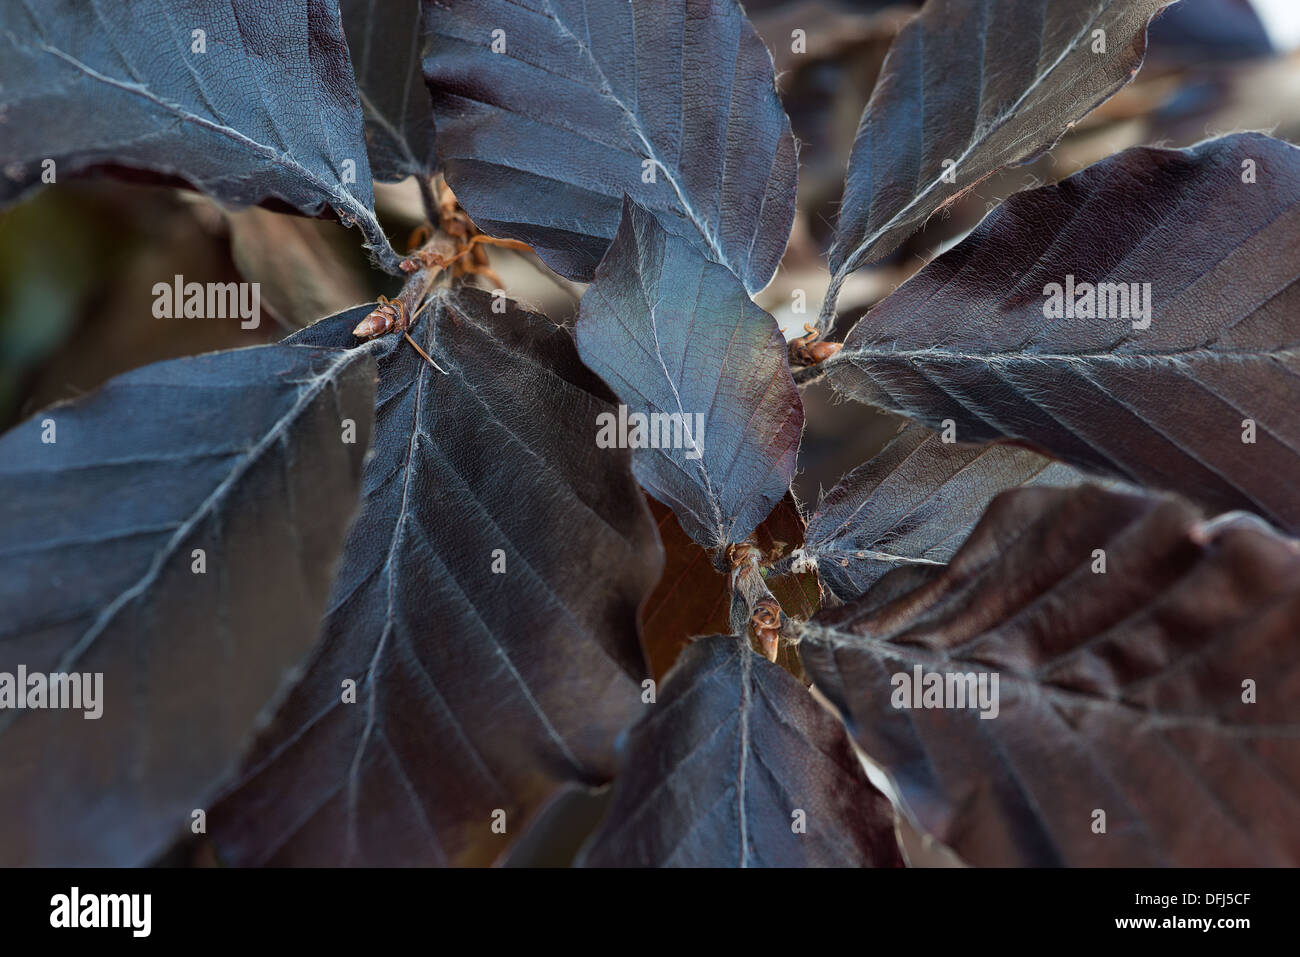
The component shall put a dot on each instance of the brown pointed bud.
(821, 351)
(766, 622)
(389, 314)
(373, 325)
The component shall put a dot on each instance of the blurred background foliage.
(79, 259)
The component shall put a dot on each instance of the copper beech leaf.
(386, 43)
(970, 87)
(549, 111)
(736, 765)
(1147, 670)
(245, 100)
(1196, 394)
(176, 533)
(485, 614)
(681, 343)
(914, 503)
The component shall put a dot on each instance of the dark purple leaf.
(476, 690)
(267, 110)
(676, 335)
(729, 764)
(243, 455)
(1147, 670)
(588, 98)
(1172, 404)
(914, 504)
(386, 41)
(969, 87)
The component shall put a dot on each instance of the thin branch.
(431, 208)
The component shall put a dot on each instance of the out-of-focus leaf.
(829, 29)
(385, 39)
(486, 610)
(826, 73)
(1159, 692)
(588, 100)
(54, 253)
(728, 766)
(143, 235)
(693, 596)
(1263, 95)
(245, 100)
(243, 455)
(301, 275)
(971, 86)
(1195, 32)
(1171, 405)
(914, 504)
(675, 335)
(838, 436)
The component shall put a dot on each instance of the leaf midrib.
(857, 256)
(240, 468)
(1174, 357)
(342, 199)
(607, 91)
